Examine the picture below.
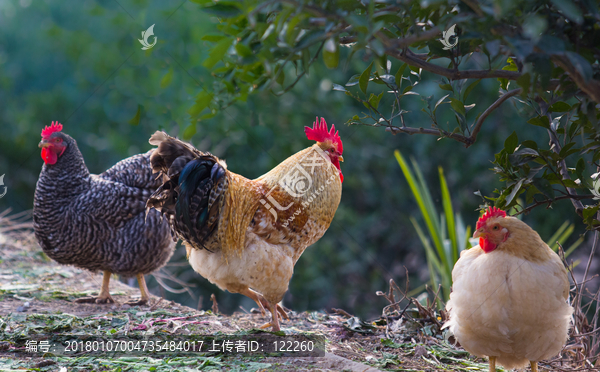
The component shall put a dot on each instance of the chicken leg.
(276, 311)
(143, 291)
(534, 366)
(492, 364)
(103, 296)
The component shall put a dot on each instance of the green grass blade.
(423, 200)
(573, 247)
(429, 251)
(552, 241)
(449, 213)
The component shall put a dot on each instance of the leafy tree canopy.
(544, 55)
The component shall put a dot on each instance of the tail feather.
(169, 149)
(192, 197)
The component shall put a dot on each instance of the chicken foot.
(143, 291)
(104, 295)
(276, 311)
(534, 366)
(492, 363)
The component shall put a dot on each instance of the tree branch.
(453, 74)
(591, 87)
(564, 172)
(550, 201)
(489, 110)
(434, 132)
(468, 141)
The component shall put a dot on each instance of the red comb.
(48, 130)
(491, 212)
(319, 133)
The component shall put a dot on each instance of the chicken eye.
(495, 227)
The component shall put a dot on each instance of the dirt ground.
(37, 300)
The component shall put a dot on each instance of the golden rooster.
(245, 235)
(509, 295)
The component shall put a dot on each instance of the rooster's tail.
(193, 195)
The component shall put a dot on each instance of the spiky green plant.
(446, 234)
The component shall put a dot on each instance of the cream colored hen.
(509, 299)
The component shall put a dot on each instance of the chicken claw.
(263, 304)
(143, 291)
(104, 295)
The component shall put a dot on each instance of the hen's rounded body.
(511, 304)
(98, 222)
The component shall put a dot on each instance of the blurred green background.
(80, 63)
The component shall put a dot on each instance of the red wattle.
(49, 156)
(335, 161)
(486, 245)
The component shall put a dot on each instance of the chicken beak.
(43, 143)
(341, 158)
(479, 234)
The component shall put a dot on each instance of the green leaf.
(331, 53)
(511, 143)
(217, 52)
(439, 102)
(589, 213)
(581, 64)
(166, 80)
(310, 38)
(212, 37)
(243, 50)
(306, 60)
(512, 66)
(514, 192)
(399, 73)
(280, 75)
(226, 9)
(377, 46)
(569, 9)
(339, 88)
(544, 186)
(530, 144)
(560, 107)
(458, 106)
(189, 132)
(579, 168)
(540, 121)
(203, 99)
(363, 81)
(524, 81)
(353, 81)
(136, 119)
(568, 150)
(470, 88)
(374, 100)
(446, 87)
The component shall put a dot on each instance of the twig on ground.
(342, 312)
(156, 304)
(215, 305)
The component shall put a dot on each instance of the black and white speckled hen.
(98, 222)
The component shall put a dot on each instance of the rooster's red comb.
(319, 133)
(48, 130)
(491, 212)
